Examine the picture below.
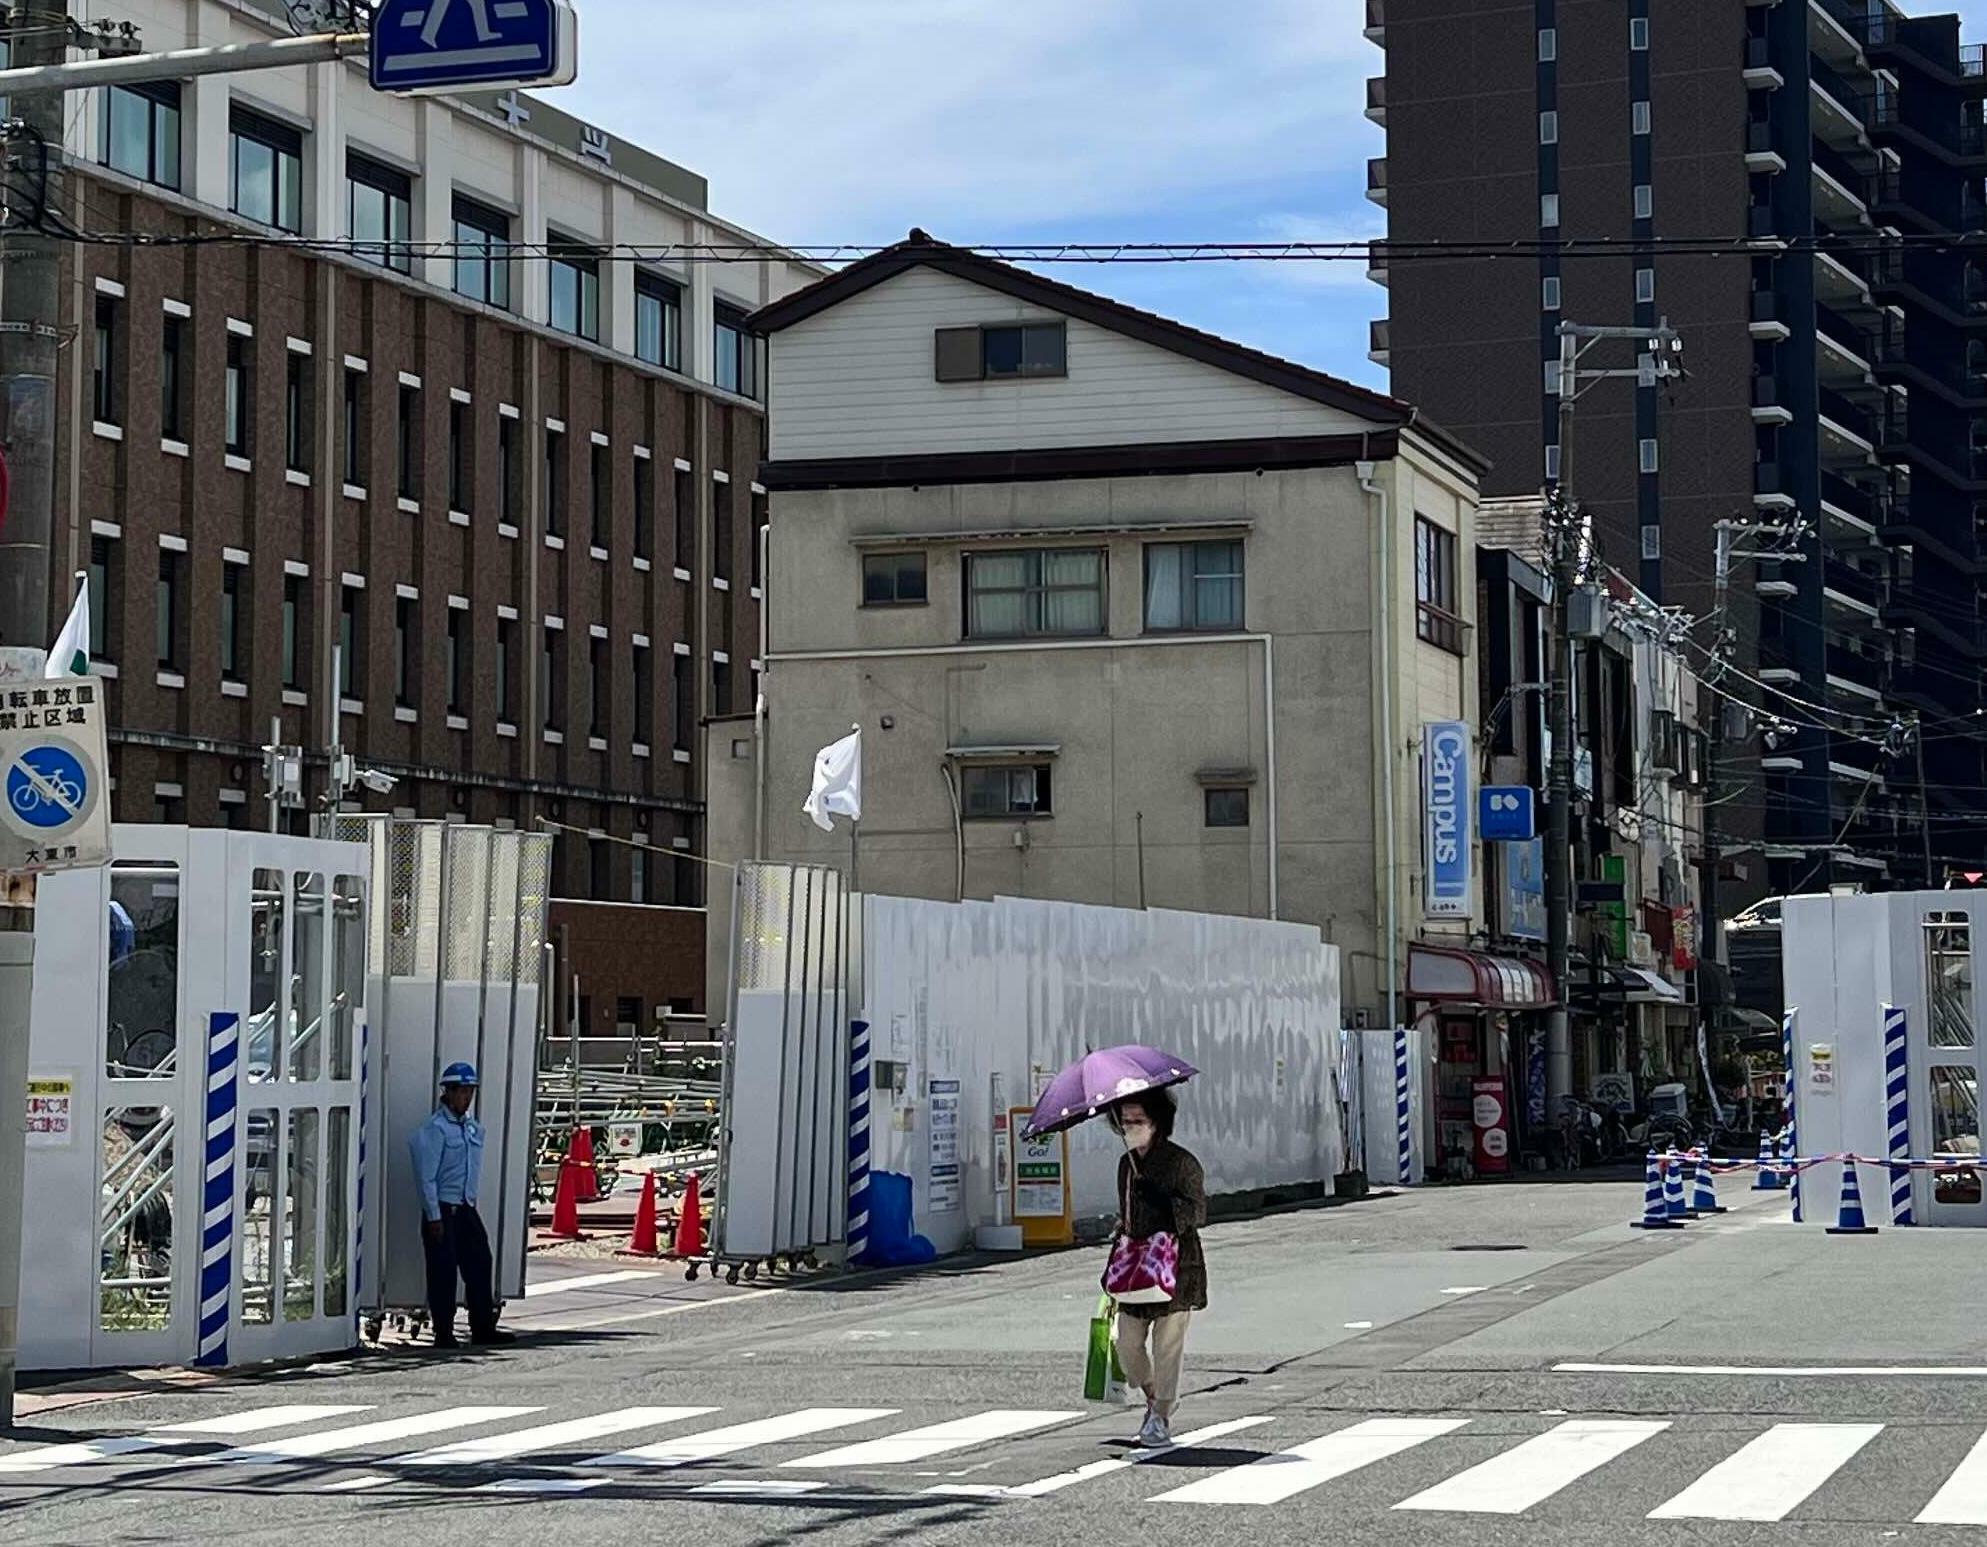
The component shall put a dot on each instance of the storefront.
(1486, 1016)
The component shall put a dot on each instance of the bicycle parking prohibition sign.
(47, 786)
(54, 807)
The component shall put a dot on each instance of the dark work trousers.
(464, 1248)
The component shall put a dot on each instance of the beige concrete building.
(1127, 613)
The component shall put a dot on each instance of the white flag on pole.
(837, 787)
(70, 654)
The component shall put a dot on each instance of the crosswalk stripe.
(1533, 1472)
(45, 1457)
(576, 1431)
(1771, 1474)
(935, 1440)
(741, 1487)
(357, 1436)
(723, 1442)
(1963, 1499)
(560, 1286)
(82, 1452)
(1275, 1478)
(256, 1419)
(541, 1485)
(1103, 1468)
(357, 1484)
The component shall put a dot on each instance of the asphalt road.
(1392, 1371)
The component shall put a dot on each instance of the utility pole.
(1783, 539)
(1570, 552)
(30, 306)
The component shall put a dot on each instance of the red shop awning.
(1471, 977)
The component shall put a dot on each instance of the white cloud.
(854, 120)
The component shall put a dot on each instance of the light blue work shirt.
(448, 1159)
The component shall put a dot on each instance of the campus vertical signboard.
(1446, 799)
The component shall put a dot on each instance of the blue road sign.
(48, 787)
(1506, 813)
(448, 45)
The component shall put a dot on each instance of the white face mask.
(1138, 1135)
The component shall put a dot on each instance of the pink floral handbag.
(1142, 1270)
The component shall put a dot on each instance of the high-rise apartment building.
(1774, 178)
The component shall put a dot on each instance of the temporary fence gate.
(193, 1117)
(1393, 1083)
(457, 968)
(1885, 1019)
(782, 1181)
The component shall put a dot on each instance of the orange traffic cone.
(566, 1205)
(643, 1242)
(580, 1153)
(690, 1221)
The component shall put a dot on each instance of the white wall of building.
(858, 379)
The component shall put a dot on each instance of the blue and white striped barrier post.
(1403, 1118)
(1793, 1138)
(1897, 1108)
(858, 1243)
(217, 1218)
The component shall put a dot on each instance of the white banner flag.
(837, 789)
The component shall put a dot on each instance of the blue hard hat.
(459, 1074)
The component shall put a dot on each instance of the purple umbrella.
(1098, 1080)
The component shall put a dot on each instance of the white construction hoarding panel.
(1018, 987)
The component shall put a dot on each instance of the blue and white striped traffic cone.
(1785, 1175)
(1766, 1179)
(1849, 1219)
(1655, 1213)
(1703, 1196)
(1673, 1203)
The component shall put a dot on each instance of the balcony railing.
(1855, 420)
(1376, 98)
(1856, 98)
(1831, 324)
(1838, 166)
(1844, 495)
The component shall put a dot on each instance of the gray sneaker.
(1155, 1434)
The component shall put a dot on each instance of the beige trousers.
(1154, 1371)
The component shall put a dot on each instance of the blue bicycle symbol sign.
(47, 787)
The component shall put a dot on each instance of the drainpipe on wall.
(1377, 493)
(958, 832)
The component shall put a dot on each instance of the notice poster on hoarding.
(944, 1102)
(1041, 1182)
(51, 1110)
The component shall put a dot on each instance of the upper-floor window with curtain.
(379, 204)
(140, 132)
(266, 170)
(1193, 586)
(1035, 591)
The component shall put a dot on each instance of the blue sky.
(1034, 120)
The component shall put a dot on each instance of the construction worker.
(448, 1158)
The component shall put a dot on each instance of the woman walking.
(1160, 1188)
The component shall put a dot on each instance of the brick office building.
(504, 496)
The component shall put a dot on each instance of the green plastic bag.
(1103, 1380)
